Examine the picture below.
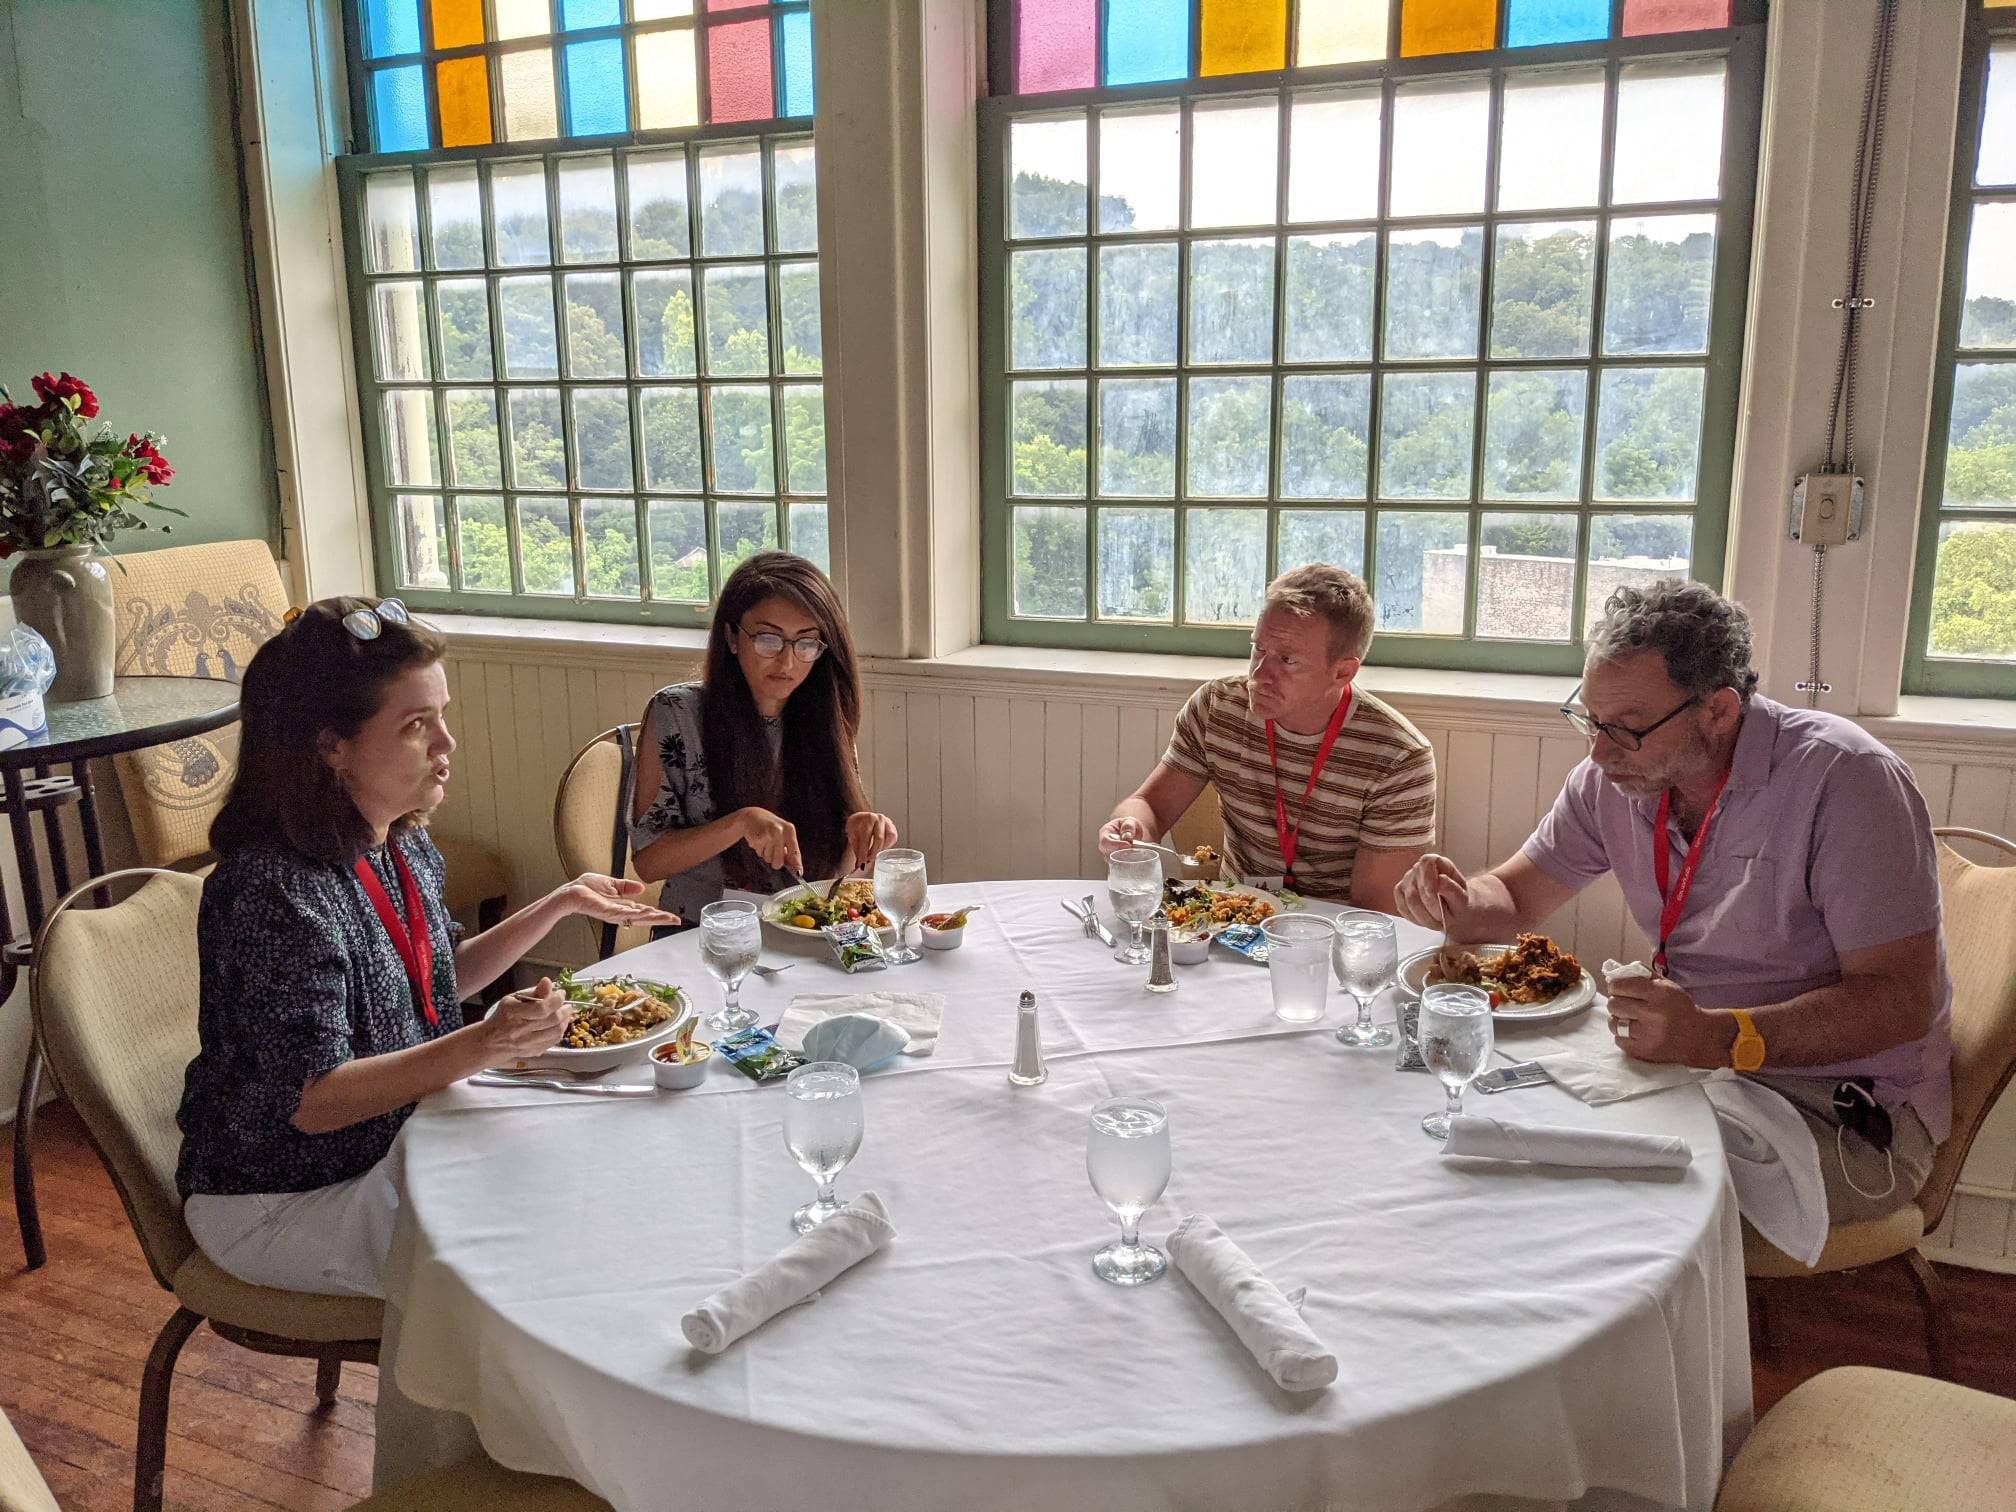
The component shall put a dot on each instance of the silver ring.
(1622, 1028)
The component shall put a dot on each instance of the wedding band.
(1623, 1028)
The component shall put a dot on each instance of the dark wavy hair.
(821, 720)
(1702, 637)
(313, 678)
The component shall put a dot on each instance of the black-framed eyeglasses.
(1623, 735)
(770, 645)
(369, 624)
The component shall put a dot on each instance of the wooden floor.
(245, 1432)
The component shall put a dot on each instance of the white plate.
(769, 910)
(606, 1057)
(1414, 974)
(1245, 891)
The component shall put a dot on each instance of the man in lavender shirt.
(1815, 906)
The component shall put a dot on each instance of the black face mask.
(1856, 1106)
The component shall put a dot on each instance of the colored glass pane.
(523, 18)
(1147, 41)
(658, 10)
(1056, 45)
(1340, 31)
(391, 27)
(794, 85)
(457, 23)
(530, 114)
(1643, 18)
(399, 106)
(579, 15)
(462, 92)
(738, 72)
(1447, 26)
(1537, 23)
(1242, 36)
(597, 102)
(728, 5)
(668, 82)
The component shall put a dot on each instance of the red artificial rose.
(141, 450)
(57, 389)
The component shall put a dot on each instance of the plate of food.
(1207, 907)
(804, 911)
(616, 1019)
(1531, 981)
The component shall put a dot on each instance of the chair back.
(1202, 824)
(114, 994)
(1979, 905)
(22, 1488)
(591, 819)
(189, 611)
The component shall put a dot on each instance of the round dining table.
(1507, 1335)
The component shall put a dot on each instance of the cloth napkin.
(1774, 1165)
(921, 1013)
(1562, 1145)
(1587, 1061)
(791, 1276)
(1266, 1319)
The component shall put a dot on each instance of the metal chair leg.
(1932, 1300)
(25, 1209)
(328, 1376)
(150, 1455)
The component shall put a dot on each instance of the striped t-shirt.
(1377, 790)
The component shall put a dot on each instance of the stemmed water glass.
(901, 893)
(1368, 956)
(822, 1130)
(731, 937)
(1127, 1157)
(1134, 883)
(1455, 1042)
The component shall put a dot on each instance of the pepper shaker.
(1161, 972)
(1028, 1069)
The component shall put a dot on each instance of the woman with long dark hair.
(749, 774)
(331, 972)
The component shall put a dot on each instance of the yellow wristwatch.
(1747, 1054)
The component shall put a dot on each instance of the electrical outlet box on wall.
(1827, 508)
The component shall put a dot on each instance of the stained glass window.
(460, 73)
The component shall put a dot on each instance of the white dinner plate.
(1414, 975)
(772, 911)
(605, 1057)
(1242, 889)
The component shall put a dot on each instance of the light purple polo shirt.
(1821, 846)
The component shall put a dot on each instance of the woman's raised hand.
(528, 1023)
(774, 840)
(868, 835)
(612, 900)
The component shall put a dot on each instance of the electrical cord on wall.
(1861, 213)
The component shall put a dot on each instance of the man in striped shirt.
(1324, 788)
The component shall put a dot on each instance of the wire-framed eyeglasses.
(770, 645)
(1621, 735)
(369, 624)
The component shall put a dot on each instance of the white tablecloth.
(1506, 1336)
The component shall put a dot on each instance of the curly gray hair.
(1702, 637)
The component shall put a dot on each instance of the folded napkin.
(1587, 1062)
(792, 1276)
(1265, 1318)
(1774, 1165)
(919, 1013)
(1562, 1145)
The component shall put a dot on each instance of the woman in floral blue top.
(331, 972)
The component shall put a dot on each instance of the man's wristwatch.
(1747, 1054)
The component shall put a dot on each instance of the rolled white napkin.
(1264, 1317)
(791, 1276)
(1563, 1145)
(921, 1014)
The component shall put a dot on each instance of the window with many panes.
(1445, 291)
(1964, 613)
(585, 291)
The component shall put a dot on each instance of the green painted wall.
(122, 241)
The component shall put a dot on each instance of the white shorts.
(332, 1239)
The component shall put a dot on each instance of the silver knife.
(586, 1089)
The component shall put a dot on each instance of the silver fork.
(521, 1073)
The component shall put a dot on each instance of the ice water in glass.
(1134, 883)
(731, 937)
(822, 1130)
(1368, 957)
(1127, 1157)
(1455, 1042)
(902, 892)
(1298, 965)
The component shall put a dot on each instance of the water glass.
(822, 1130)
(731, 937)
(1298, 965)
(1368, 958)
(1455, 1042)
(1127, 1157)
(1134, 883)
(901, 892)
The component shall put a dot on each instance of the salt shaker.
(1028, 1069)
(1161, 973)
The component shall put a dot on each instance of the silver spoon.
(771, 971)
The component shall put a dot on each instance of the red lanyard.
(1290, 838)
(415, 945)
(1676, 900)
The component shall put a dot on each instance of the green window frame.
(1974, 614)
(1178, 510)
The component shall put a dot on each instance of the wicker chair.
(591, 813)
(1979, 902)
(1203, 823)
